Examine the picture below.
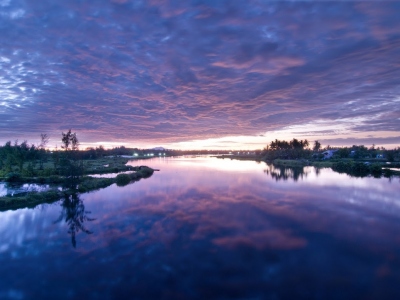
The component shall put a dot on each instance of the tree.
(44, 139)
(20, 152)
(317, 145)
(296, 144)
(70, 167)
(70, 141)
(56, 158)
(343, 152)
(390, 155)
(305, 143)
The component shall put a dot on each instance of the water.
(204, 228)
(109, 175)
(18, 188)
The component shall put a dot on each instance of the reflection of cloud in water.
(273, 239)
(240, 217)
(208, 233)
(22, 225)
(18, 188)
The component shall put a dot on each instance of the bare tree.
(44, 139)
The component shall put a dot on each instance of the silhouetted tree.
(70, 167)
(287, 150)
(343, 152)
(390, 155)
(44, 139)
(317, 145)
(70, 141)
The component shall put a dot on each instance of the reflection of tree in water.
(317, 171)
(74, 214)
(285, 173)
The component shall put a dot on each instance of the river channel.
(208, 228)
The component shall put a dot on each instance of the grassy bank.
(87, 184)
(349, 166)
(111, 164)
(290, 163)
(49, 175)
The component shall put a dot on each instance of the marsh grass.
(87, 184)
(123, 179)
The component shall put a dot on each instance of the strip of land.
(85, 184)
(361, 167)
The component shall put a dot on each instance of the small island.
(67, 171)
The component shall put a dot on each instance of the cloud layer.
(160, 72)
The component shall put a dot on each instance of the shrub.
(352, 168)
(360, 168)
(145, 172)
(376, 169)
(134, 176)
(55, 179)
(29, 171)
(48, 172)
(387, 172)
(342, 167)
(123, 179)
(13, 177)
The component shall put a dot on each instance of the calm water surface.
(18, 188)
(204, 228)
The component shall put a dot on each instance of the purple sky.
(193, 74)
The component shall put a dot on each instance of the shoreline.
(359, 168)
(87, 184)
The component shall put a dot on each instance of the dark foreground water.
(203, 228)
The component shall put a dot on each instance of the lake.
(207, 228)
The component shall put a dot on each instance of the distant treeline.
(300, 149)
(37, 160)
(24, 157)
(293, 149)
(16, 154)
(92, 153)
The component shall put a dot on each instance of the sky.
(206, 74)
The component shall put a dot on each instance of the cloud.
(272, 239)
(158, 72)
(376, 140)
